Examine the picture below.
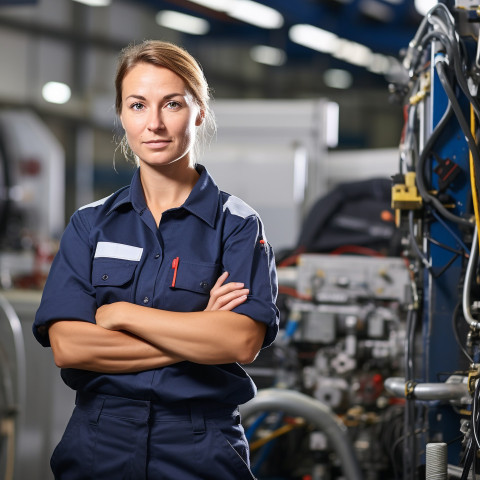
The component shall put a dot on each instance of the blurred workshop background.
(309, 97)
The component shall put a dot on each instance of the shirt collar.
(202, 201)
(133, 195)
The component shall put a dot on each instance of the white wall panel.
(54, 63)
(14, 65)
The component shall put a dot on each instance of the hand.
(228, 296)
(109, 316)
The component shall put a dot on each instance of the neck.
(167, 187)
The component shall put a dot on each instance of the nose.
(155, 121)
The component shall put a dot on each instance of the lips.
(160, 143)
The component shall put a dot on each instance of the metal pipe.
(457, 472)
(428, 391)
(300, 405)
(9, 425)
(469, 274)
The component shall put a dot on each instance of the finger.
(234, 303)
(227, 298)
(220, 280)
(225, 289)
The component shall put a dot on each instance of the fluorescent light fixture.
(247, 11)
(337, 78)
(354, 53)
(255, 13)
(314, 38)
(379, 64)
(423, 6)
(219, 5)
(268, 55)
(182, 22)
(378, 11)
(332, 124)
(56, 92)
(341, 48)
(95, 3)
(300, 173)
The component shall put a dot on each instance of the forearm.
(87, 346)
(208, 337)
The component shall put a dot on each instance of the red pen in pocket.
(175, 268)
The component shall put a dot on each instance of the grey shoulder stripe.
(238, 207)
(95, 204)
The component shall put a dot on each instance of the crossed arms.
(130, 338)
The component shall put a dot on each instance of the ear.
(200, 118)
(121, 121)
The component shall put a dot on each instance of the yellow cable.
(472, 171)
(277, 433)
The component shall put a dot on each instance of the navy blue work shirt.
(113, 251)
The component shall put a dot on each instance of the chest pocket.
(189, 284)
(113, 276)
(113, 279)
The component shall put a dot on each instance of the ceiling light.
(219, 5)
(255, 13)
(268, 55)
(423, 6)
(313, 37)
(354, 53)
(95, 3)
(336, 78)
(56, 92)
(182, 22)
(378, 11)
(379, 64)
(332, 124)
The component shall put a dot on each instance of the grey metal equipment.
(13, 377)
(300, 405)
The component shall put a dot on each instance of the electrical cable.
(253, 427)
(456, 334)
(447, 36)
(296, 404)
(440, 67)
(445, 247)
(413, 242)
(452, 233)
(472, 172)
(409, 456)
(467, 284)
(422, 189)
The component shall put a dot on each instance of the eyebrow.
(166, 97)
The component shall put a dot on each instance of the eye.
(136, 106)
(173, 105)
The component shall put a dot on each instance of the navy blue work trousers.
(114, 438)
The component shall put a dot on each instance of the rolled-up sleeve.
(249, 258)
(68, 292)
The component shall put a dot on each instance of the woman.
(137, 307)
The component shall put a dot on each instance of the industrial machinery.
(387, 350)
(343, 337)
(31, 220)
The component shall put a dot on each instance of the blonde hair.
(180, 62)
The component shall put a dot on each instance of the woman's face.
(158, 114)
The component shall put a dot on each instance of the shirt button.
(204, 284)
(146, 300)
(157, 255)
(105, 277)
